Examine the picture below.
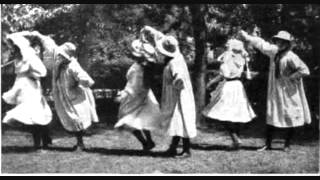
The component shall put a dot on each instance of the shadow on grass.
(127, 152)
(210, 147)
(17, 149)
(30, 149)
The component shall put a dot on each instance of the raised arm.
(48, 43)
(149, 32)
(30, 61)
(259, 43)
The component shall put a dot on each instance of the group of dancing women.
(140, 113)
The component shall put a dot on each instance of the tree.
(200, 66)
(103, 34)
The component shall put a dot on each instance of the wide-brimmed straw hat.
(283, 35)
(168, 46)
(149, 52)
(136, 48)
(140, 49)
(67, 50)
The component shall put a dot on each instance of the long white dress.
(31, 107)
(178, 105)
(140, 109)
(287, 104)
(73, 98)
(229, 101)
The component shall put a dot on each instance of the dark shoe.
(46, 142)
(184, 154)
(37, 145)
(149, 146)
(36, 141)
(171, 153)
(264, 148)
(138, 134)
(45, 147)
(36, 148)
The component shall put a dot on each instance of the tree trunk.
(86, 12)
(200, 65)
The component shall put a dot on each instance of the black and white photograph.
(160, 89)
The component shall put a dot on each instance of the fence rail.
(97, 93)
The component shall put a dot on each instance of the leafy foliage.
(103, 32)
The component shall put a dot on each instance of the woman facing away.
(139, 110)
(287, 106)
(31, 107)
(229, 103)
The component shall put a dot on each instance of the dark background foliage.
(103, 32)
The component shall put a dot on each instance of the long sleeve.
(80, 75)
(30, 63)
(135, 80)
(263, 46)
(37, 68)
(299, 67)
(177, 74)
(148, 32)
(48, 43)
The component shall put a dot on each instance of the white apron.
(229, 101)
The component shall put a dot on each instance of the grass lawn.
(111, 151)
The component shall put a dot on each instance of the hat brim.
(136, 54)
(281, 38)
(160, 48)
(63, 54)
(150, 59)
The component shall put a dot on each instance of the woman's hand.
(243, 34)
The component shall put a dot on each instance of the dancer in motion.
(229, 102)
(287, 105)
(177, 101)
(72, 95)
(31, 107)
(139, 110)
(73, 98)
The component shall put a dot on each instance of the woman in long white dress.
(229, 102)
(31, 107)
(73, 98)
(177, 101)
(287, 105)
(139, 110)
(72, 95)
